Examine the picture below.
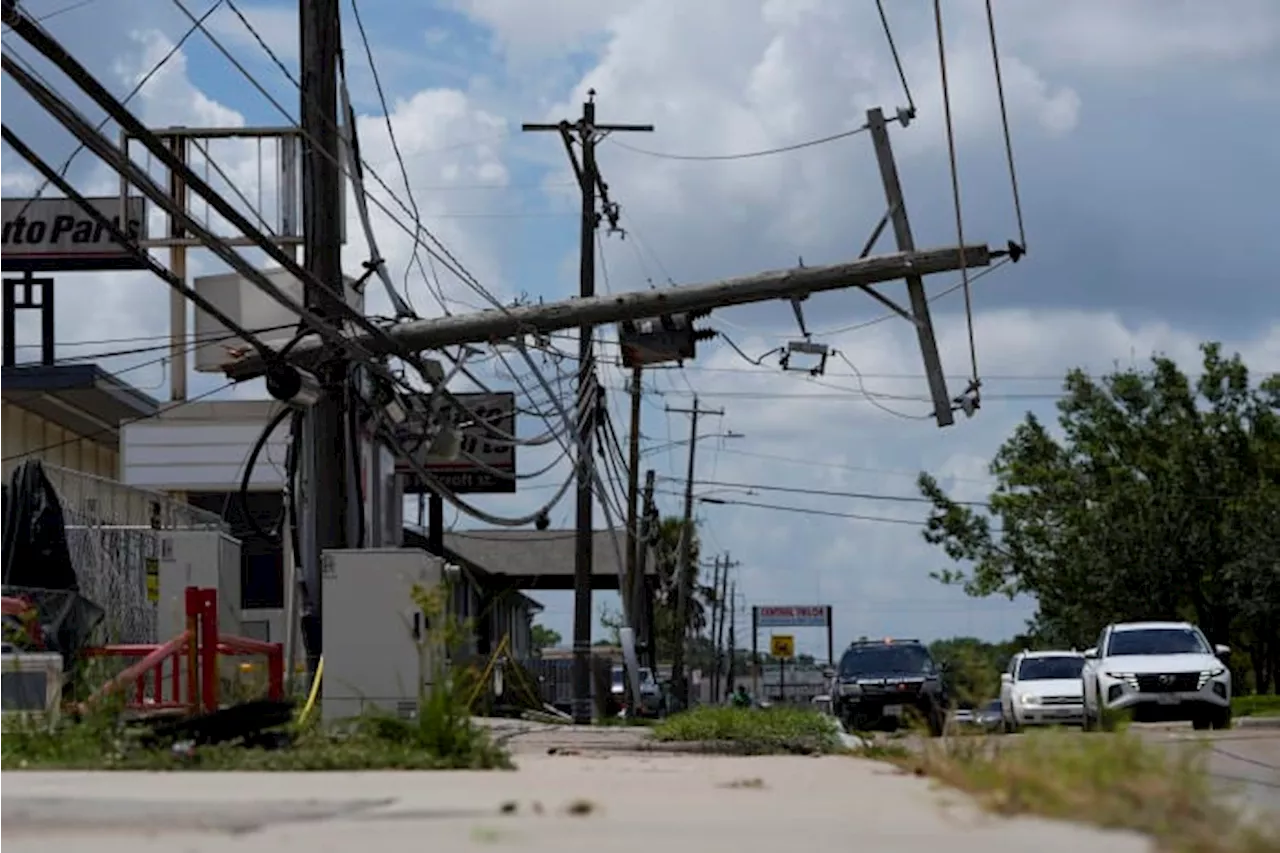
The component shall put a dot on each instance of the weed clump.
(754, 731)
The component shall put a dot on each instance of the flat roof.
(80, 398)
(540, 559)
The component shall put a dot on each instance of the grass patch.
(1256, 706)
(440, 736)
(371, 743)
(1115, 781)
(754, 731)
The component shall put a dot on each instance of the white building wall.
(204, 447)
(29, 436)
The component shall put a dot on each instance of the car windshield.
(878, 660)
(992, 707)
(1157, 641)
(1040, 669)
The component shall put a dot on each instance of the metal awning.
(81, 398)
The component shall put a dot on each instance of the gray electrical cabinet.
(380, 650)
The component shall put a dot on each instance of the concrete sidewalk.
(560, 803)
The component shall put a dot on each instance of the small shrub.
(751, 730)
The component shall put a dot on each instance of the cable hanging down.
(975, 381)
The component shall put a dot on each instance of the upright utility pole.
(684, 577)
(326, 444)
(722, 602)
(642, 591)
(586, 133)
(712, 635)
(733, 634)
(633, 497)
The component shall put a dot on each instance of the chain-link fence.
(113, 532)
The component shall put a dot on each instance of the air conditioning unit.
(378, 646)
(203, 558)
(31, 684)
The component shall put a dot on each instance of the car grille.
(1169, 682)
(1062, 700)
(905, 689)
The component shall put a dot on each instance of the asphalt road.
(1244, 763)
(557, 803)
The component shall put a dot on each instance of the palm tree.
(667, 548)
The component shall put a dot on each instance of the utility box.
(203, 558)
(380, 650)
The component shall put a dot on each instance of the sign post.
(789, 616)
(782, 647)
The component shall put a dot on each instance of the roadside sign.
(495, 473)
(792, 616)
(782, 646)
(56, 235)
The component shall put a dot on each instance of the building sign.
(56, 235)
(496, 472)
(802, 616)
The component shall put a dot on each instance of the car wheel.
(1222, 719)
(1201, 722)
(1011, 727)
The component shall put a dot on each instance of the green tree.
(545, 638)
(667, 545)
(973, 667)
(1158, 498)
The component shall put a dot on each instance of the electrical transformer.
(380, 650)
(203, 558)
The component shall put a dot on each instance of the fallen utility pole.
(586, 133)
(516, 322)
(684, 574)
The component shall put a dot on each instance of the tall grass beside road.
(1114, 781)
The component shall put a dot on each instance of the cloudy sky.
(1143, 131)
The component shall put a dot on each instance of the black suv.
(878, 680)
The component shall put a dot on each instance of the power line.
(146, 78)
(124, 423)
(897, 60)
(745, 155)
(879, 519)
(872, 496)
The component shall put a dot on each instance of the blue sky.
(1144, 140)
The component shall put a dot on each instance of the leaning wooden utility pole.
(325, 439)
(517, 321)
(942, 410)
(586, 133)
(684, 574)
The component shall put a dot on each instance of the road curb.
(1257, 722)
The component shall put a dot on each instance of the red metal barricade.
(199, 646)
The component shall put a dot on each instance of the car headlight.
(1028, 699)
(1127, 678)
(1209, 674)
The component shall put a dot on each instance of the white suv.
(1159, 671)
(1042, 688)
